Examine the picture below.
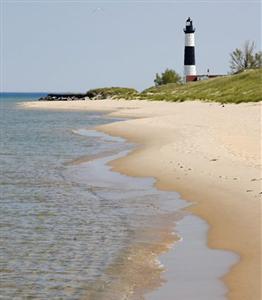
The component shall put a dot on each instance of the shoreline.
(214, 148)
(136, 270)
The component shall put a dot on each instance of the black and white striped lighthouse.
(189, 57)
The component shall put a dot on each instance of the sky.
(72, 46)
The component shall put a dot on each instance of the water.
(63, 222)
(70, 228)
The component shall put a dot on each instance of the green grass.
(113, 93)
(243, 87)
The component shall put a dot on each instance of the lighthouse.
(189, 56)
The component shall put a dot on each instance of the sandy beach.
(211, 155)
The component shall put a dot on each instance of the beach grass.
(113, 93)
(243, 87)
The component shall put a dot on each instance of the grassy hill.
(243, 87)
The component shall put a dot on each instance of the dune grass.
(112, 93)
(243, 87)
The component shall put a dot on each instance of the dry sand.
(209, 154)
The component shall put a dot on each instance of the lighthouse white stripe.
(190, 39)
(190, 70)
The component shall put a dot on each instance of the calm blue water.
(62, 223)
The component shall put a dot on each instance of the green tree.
(169, 76)
(245, 58)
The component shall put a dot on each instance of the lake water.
(70, 228)
(63, 223)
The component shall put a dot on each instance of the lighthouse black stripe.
(189, 58)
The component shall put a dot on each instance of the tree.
(169, 76)
(245, 58)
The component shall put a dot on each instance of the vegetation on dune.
(243, 87)
(113, 93)
(169, 76)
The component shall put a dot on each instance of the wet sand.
(209, 154)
